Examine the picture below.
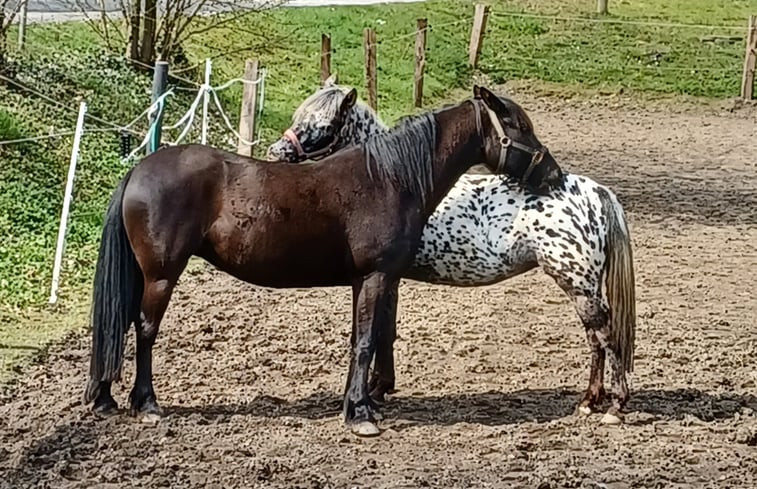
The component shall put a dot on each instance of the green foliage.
(32, 175)
(9, 126)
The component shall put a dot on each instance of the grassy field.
(66, 61)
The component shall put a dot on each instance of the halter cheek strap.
(504, 141)
(537, 154)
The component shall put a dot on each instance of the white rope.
(139, 148)
(228, 122)
(241, 80)
(39, 138)
(56, 135)
(187, 119)
(157, 105)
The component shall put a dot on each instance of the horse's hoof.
(151, 418)
(365, 429)
(612, 418)
(584, 410)
(105, 410)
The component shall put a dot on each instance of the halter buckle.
(538, 156)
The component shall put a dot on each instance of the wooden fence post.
(325, 57)
(477, 34)
(420, 61)
(369, 40)
(602, 7)
(747, 78)
(249, 101)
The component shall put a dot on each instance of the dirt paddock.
(488, 378)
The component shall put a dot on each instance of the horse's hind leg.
(596, 319)
(619, 391)
(157, 294)
(592, 317)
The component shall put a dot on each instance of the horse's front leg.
(369, 298)
(382, 379)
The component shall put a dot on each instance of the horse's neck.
(362, 124)
(459, 148)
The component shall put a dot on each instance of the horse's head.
(318, 125)
(510, 145)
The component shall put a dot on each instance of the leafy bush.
(32, 175)
(9, 126)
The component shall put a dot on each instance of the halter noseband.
(313, 155)
(537, 154)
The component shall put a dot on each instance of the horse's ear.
(476, 91)
(492, 101)
(349, 100)
(330, 81)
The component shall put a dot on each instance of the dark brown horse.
(354, 219)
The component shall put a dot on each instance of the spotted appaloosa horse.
(488, 229)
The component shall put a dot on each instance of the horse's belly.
(470, 241)
(466, 259)
(274, 256)
(456, 269)
(285, 273)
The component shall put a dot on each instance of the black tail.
(116, 297)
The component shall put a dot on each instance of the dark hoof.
(147, 409)
(105, 409)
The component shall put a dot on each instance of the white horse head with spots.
(330, 119)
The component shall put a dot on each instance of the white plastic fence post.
(67, 197)
(206, 101)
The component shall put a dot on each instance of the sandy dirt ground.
(488, 378)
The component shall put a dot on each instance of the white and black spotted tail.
(619, 280)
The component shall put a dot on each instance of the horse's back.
(273, 224)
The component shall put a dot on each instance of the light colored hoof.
(151, 418)
(365, 428)
(611, 419)
(585, 410)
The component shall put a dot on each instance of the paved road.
(64, 10)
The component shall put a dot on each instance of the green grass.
(66, 61)
(664, 59)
